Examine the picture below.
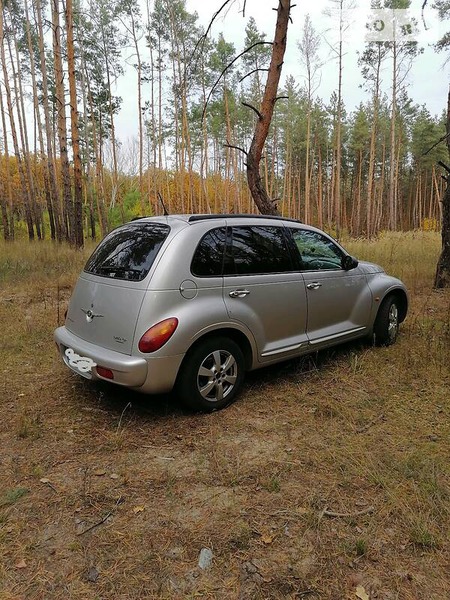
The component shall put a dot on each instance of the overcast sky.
(427, 82)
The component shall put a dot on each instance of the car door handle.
(239, 293)
(315, 285)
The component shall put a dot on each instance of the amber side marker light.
(155, 337)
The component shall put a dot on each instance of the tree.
(309, 55)
(265, 113)
(77, 225)
(60, 98)
(371, 62)
(442, 278)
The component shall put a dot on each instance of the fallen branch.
(358, 513)
(105, 518)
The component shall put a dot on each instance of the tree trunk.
(78, 184)
(392, 206)
(337, 182)
(9, 102)
(442, 279)
(257, 189)
(54, 194)
(8, 227)
(40, 136)
(61, 121)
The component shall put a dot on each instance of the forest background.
(67, 172)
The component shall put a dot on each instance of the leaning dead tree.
(442, 278)
(264, 113)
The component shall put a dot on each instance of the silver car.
(192, 302)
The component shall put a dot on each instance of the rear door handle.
(239, 293)
(315, 285)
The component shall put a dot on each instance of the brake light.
(104, 372)
(155, 337)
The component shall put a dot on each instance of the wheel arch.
(234, 334)
(402, 298)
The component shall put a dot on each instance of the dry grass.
(358, 430)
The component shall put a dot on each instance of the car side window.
(317, 252)
(208, 257)
(253, 250)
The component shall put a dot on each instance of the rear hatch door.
(108, 296)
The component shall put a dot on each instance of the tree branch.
(202, 39)
(443, 165)
(251, 73)
(281, 98)
(228, 145)
(226, 69)
(442, 139)
(260, 117)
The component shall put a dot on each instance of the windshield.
(128, 252)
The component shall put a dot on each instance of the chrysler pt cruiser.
(192, 302)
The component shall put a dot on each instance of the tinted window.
(253, 250)
(317, 252)
(208, 258)
(128, 252)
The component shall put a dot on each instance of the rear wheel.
(387, 322)
(211, 375)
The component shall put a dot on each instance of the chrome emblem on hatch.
(90, 316)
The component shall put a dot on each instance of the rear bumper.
(150, 375)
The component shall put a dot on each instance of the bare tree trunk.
(8, 225)
(47, 185)
(337, 181)
(100, 188)
(26, 156)
(259, 193)
(78, 183)
(51, 168)
(392, 201)
(442, 279)
(139, 108)
(115, 179)
(28, 214)
(61, 120)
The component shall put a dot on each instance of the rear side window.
(128, 252)
(208, 258)
(256, 250)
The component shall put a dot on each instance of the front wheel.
(387, 322)
(211, 375)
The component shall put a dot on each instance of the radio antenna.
(166, 214)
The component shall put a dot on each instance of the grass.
(101, 480)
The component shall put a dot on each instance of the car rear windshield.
(128, 252)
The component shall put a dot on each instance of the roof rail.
(205, 217)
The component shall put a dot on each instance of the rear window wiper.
(120, 271)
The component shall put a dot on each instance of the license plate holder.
(81, 365)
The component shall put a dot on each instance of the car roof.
(194, 218)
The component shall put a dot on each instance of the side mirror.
(348, 262)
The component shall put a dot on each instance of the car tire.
(211, 375)
(387, 322)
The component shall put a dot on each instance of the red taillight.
(106, 373)
(155, 337)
